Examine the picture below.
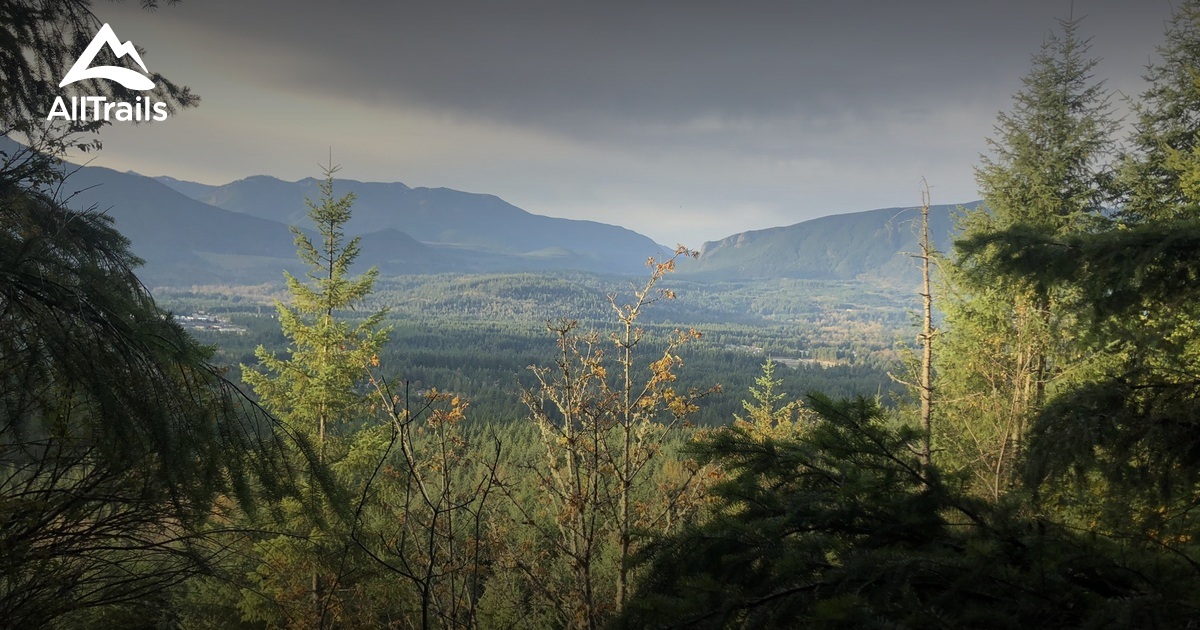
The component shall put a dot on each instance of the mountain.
(182, 240)
(191, 189)
(871, 245)
(185, 240)
(478, 226)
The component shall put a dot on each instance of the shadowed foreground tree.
(1120, 451)
(117, 440)
(843, 527)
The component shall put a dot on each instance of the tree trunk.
(926, 380)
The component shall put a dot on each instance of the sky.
(685, 120)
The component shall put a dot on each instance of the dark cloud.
(559, 62)
(726, 86)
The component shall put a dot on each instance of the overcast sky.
(684, 120)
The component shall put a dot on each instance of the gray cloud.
(794, 108)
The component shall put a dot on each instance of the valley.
(477, 334)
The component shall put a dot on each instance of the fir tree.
(1155, 176)
(771, 414)
(316, 388)
(1009, 340)
(1114, 451)
(318, 391)
(121, 448)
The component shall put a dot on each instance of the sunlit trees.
(317, 392)
(1156, 176)
(771, 414)
(1009, 340)
(603, 420)
(1115, 450)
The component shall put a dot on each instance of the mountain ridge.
(437, 215)
(243, 237)
(865, 245)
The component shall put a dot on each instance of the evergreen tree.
(771, 414)
(1115, 451)
(1156, 178)
(315, 388)
(121, 448)
(843, 527)
(1009, 341)
(318, 392)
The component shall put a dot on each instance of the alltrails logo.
(95, 108)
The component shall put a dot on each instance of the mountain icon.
(126, 77)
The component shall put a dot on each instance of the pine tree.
(316, 388)
(771, 414)
(1155, 177)
(317, 391)
(1008, 339)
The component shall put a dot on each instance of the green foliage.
(771, 414)
(1061, 493)
(121, 448)
(843, 528)
(1156, 179)
(1009, 342)
(476, 335)
(315, 387)
(1125, 436)
(307, 574)
(425, 507)
(114, 429)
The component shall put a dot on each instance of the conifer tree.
(1008, 339)
(315, 388)
(1118, 445)
(771, 414)
(841, 526)
(1155, 177)
(121, 448)
(317, 391)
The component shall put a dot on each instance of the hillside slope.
(871, 245)
(472, 223)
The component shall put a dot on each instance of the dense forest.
(477, 335)
(575, 450)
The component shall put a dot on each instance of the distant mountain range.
(437, 215)
(192, 233)
(875, 245)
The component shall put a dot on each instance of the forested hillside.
(745, 436)
(874, 245)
